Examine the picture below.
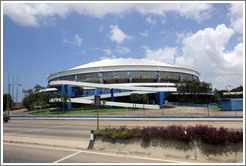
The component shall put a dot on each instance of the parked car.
(6, 118)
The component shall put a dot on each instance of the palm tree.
(135, 97)
(144, 98)
(104, 103)
(193, 87)
(60, 98)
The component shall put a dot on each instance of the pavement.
(74, 133)
(73, 144)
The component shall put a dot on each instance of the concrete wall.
(194, 152)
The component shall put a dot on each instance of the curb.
(130, 117)
(92, 140)
(136, 119)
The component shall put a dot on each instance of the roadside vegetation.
(80, 111)
(205, 134)
(197, 92)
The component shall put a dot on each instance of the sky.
(40, 39)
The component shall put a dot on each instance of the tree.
(7, 101)
(59, 98)
(144, 98)
(238, 89)
(193, 88)
(104, 103)
(134, 97)
(37, 88)
(34, 97)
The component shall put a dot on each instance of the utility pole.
(12, 96)
(8, 96)
(16, 91)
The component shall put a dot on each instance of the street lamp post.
(228, 86)
(9, 94)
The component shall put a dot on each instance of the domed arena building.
(118, 78)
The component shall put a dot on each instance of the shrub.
(204, 133)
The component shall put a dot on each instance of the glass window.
(187, 76)
(88, 76)
(70, 78)
(115, 74)
(171, 75)
(144, 74)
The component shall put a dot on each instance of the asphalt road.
(74, 134)
(14, 153)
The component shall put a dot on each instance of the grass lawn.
(80, 111)
(218, 109)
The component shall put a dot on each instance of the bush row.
(204, 133)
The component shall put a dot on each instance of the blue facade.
(66, 89)
(233, 104)
(160, 97)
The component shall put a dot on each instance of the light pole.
(228, 86)
(11, 96)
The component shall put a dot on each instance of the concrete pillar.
(130, 77)
(69, 92)
(101, 78)
(63, 89)
(180, 76)
(112, 94)
(158, 77)
(160, 97)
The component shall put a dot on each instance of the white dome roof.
(123, 62)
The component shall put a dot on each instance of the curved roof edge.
(122, 62)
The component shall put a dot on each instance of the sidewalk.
(46, 142)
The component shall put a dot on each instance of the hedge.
(204, 133)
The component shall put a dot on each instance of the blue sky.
(43, 38)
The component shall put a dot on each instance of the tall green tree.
(144, 99)
(33, 97)
(134, 97)
(238, 89)
(193, 88)
(7, 101)
(60, 100)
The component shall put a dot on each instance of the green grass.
(218, 109)
(80, 111)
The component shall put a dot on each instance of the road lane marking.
(99, 153)
(64, 158)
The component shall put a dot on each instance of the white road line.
(64, 158)
(99, 153)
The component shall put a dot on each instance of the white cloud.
(122, 50)
(101, 28)
(112, 57)
(107, 51)
(150, 20)
(221, 81)
(77, 40)
(144, 33)
(22, 14)
(117, 35)
(32, 14)
(166, 55)
(236, 15)
(197, 11)
(204, 51)
(64, 40)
